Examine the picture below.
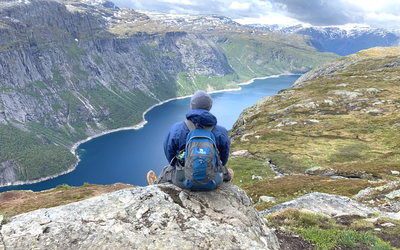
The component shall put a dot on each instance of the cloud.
(388, 21)
(272, 18)
(239, 6)
(228, 8)
(375, 13)
(320, 12)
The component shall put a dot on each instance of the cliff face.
(160, 217)
(72, 71)
(54, 49)
(251, 52)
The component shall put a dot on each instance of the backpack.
(201, 158)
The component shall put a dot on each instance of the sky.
(371, 13)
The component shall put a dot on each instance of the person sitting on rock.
(175, 142)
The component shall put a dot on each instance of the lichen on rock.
(153, 217)
(331, 205)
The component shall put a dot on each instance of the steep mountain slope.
(342, 117)
(249, 51)
(69, 70)
(340, 41)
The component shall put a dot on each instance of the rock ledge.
(153, 217)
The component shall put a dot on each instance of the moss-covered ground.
(18, 202)
(346, 121)
(344, 232)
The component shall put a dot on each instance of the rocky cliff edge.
(152, 217)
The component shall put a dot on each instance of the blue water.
(127, 156)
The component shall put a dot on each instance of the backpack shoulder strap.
(190, 125)
(209, 128)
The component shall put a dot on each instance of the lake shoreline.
(143, 122)
(134, 127)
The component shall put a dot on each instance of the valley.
(84, 70)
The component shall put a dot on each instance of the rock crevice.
(160, 216)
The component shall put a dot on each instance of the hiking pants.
(168, 174)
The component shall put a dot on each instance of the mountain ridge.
(342, 41)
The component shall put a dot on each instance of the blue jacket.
(175, 141)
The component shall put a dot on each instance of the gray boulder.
(267, 199)
(313, 170)
(153, 217)
(392, 195)
(328, 204)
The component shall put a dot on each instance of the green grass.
(64, 187)
(74, 51)
(188, 83)
(266, 55)
(346, 139)
(246, 167)
(325, 232)
(329, 239)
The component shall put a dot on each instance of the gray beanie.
(201, 100)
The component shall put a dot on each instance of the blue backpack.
(202, 162)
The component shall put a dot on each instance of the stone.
(240, 153)
(392, 195)
(372, 91)
(390, 215)
(329, 102)
(395, 172)
(311, 171)
(388, 224)
(364, 193)
(267, 199)
(243, 138)
(310, 105)
(254, 177)
(374, 111)
(350, 94)
(370, 192)
(152, 217)
(381, 188)
(263, 101)
(327, 204)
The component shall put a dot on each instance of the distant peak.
(100, 3)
